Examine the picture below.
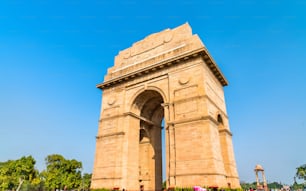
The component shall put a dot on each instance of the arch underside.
(149, 106)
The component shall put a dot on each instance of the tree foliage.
(86, 181)
(297, 186)
(301, 172)
(247, 186)
(253, 185)
(275, 185)
(14, 172)
(62, 173)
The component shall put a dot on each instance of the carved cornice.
(214, 68)
(225, 131)
(232, 177)
(192, 119)
(203, 52)
(208, 117)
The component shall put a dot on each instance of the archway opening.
(219, 119)
(151, 114)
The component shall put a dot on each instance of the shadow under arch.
(143, 92)
(148, 106)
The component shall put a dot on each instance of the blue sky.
(53, 53)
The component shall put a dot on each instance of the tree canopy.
(14, 172)
(86, 181)
(301, 172)
(62, 173)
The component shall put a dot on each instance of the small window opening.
(220, 120)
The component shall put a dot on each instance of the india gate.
(166, 81)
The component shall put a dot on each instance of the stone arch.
(148, 106)
(142, 90)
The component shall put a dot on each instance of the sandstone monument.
(168, 76)
(263, 186)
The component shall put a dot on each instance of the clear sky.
(54, 52)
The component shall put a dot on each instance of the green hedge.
(101, 189)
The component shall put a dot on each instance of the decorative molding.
(232, 177)
(166, 63)
(110, 111)
(225, 131)
(149, 58)
(168, 36)
(111, 117)
(184, 80)
(192, 119)
(111, 101)
(110, 135)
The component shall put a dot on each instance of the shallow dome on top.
(258, 167)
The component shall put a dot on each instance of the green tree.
(164, 186)
(86, 181)
(297, 186)
(247, 186)
(14, 173)
(275, 185)
(301, 172)
(62, 173)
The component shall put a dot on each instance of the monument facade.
(167, 79)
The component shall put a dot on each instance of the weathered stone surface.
(167, 76)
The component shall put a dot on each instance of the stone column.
(257, 180)
(264, 181)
